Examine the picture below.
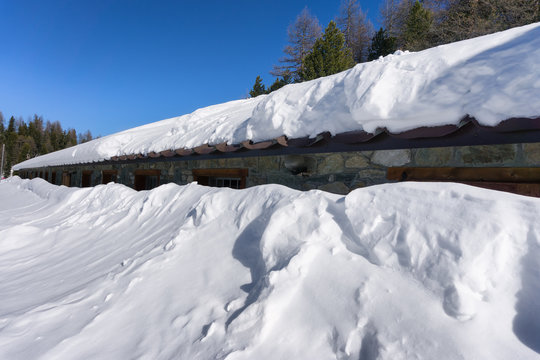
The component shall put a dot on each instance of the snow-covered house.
(467, 112)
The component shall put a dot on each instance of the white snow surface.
(492, 78)
(396, 271)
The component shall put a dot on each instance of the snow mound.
(400, 271)
(491, 78)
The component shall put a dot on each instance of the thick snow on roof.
(399, 271)
(491, 78)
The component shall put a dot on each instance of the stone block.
(335, 188)
(433, 156)
(308, 186)
(531, 153)
(391, 157)
(372, 174)
(331, 164)
(267, 163)
(357, 162)
(487, 154)
(250, 162)
(357, 185)
(256, 180)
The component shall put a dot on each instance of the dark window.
(146, 179)
(53, 177)
(86, 180)
(66, 178)
(231, 178)
(108, 176)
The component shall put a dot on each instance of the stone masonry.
(334, 172)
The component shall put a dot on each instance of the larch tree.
(356, 29)
(394, 15)
(302, 35)
(465, 19)
(85, 137)
(329, 55)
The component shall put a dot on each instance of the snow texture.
(491, 78)
(397, 271)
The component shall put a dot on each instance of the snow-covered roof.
(490, 78)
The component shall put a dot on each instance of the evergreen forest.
(23, 140)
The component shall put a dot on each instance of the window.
(231, 178)
(108, 176)
(86, 180)
(53, 177)
(146, 179)
(66, 178)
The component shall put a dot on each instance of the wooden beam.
(148, 172)
(461, 174)
(221, 172)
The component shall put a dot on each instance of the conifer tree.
(85, 137)
(417, 27)
(70, 138)
(279, 83)
(329, 55)
(2, 128)
(464, 19)
(258, 88)
(394, 15)
(356, 29)
(302, 36)
(11, 138)
(381, 45)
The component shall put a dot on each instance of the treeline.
(407, 25)
(24, 140)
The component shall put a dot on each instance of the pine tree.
(302, 36)
(279, 83)
(356, 29)
(2, 130)
(258, 88)
(417, 27)
(329, 55)
(70, 138)
(35, 130)
(11, 138)
(381, 45)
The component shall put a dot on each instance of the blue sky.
(111, 65)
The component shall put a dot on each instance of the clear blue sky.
(111, 65)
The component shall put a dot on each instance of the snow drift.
(402, 271)
(491, 78)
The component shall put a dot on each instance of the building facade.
(509, 167)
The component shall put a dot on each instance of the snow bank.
(492, 78)
(408, 271)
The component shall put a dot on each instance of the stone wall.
(334, 172)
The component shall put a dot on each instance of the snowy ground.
(401, 271)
